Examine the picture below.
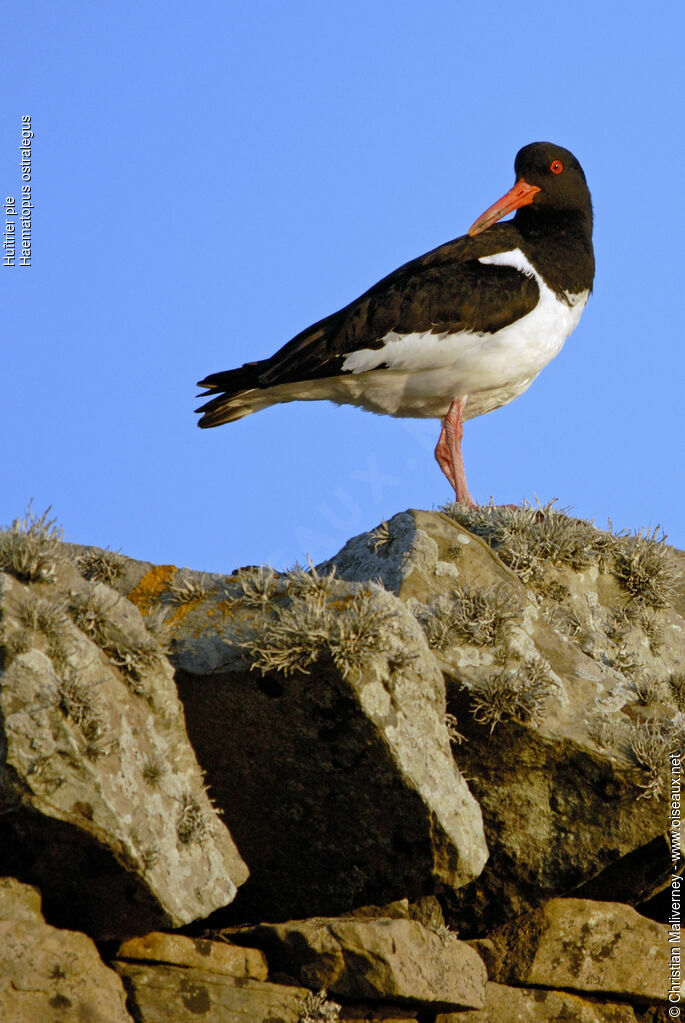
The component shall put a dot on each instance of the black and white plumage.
(454, 334)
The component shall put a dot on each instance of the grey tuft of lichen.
(80, 704)
(475, 615)
(566, 618)
(315, 1007)
(40, 614)
(641, 567)
(646, 745)
(516, 694)
(154, 768)
(91, 614)
(452, 724)
(291, 638)
(634, 615)
(193, 823)
(30, 548)
(307, 584)
(102, 566)
(258, 585)
(529, 537)
(185, 590)
(650, 744)
(134, 662)
(676, 682)
(648, 689)
(379, 538)
(444, 932)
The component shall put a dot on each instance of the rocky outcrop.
(331, 761)
(48, 974)
(173, 994)
(594, 947)
(374, 959)
(563, 653)
(102, 799)
(536, 1005)
(477, 714)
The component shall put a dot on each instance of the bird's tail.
(236, 394)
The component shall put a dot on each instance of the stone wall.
(426, 780)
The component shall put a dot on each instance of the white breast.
(422, 373)
(426, 371)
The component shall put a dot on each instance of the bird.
(452, 334)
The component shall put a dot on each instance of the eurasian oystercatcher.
(453, 334)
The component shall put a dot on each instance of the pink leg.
(448, 451)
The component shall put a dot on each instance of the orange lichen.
(342, 604)
(150, 588)
(183, 609)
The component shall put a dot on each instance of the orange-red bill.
(520, 195)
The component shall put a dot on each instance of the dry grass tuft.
(134, 662)
(677, 683)
(479, 616)
(80, 704)
(185, 590)
(648, 689)
(193, 824)
(39, 614)
(296, 636)
(453, 729)
(641, 566)
(258, 587)
(649, 745)
(529, 537)
(91, 615)
(30, 548)
(516, 694)
(379, 538)
(153, 769)
(101, 566)
(316, 1008)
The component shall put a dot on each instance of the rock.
(172, 994)
(562, 649)
(533, 1005)
(426, 910)
(201, 953)
(603, 948)
(318, 713)
(374, 1014)
(48, 974)
(103, 802)
(18, 901)
(384, 959)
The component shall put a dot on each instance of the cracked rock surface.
(103, 801)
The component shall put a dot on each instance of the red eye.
(556, 166)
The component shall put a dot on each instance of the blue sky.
(209, 179)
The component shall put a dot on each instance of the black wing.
(445, 290)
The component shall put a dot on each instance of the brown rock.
(605, 948)
(384, 959)
(172, 994)
(211, 956)
(375, 1014)
(48, 974)
(18, 901)
(525, 1005)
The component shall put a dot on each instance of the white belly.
(423, 373)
